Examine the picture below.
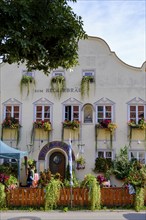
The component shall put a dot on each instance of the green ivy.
(2, 196)
(139, 199)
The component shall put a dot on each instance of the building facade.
(100, 105)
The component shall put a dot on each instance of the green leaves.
(43, 33)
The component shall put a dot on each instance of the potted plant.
(85, 84)
(11, 123)
(58, 84)
(26, 81)
(103, 181)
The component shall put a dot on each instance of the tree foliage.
(42, 33)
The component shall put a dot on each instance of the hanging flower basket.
(11, 123)
(80, 163)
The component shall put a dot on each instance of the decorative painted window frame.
(43, 102)
(74, 133)
(105, 102)
(135, 102)
(12, 102)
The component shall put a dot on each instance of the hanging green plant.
(26, 81)
(52, 193)
(85, 84)
(94, 191)
(11, 123)
(58, 85)
(2, 196)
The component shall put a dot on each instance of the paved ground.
(73, 215)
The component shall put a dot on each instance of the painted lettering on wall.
(76, 89)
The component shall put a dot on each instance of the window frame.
(42, 112)
(72, 112)
(137, 155)
(12, 103)
(104, 112)
(136, 112)
(104, 151)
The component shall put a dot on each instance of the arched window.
(88, 113)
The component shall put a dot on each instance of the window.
(12, 108)
(104, 110)
(42, 113)
(43, 110)
(58, 73)
(71, 110)
(136, 113)
(136, 110)
(139, 155)
(72, 113)
(88, 73)
(105, 154)
(28, 73)
(12, 111)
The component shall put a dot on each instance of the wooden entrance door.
(57, 164)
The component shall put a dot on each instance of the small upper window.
(88, 72)
(28, 73)
(58, 73)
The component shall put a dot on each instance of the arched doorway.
(57, 163)
(57, 153)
